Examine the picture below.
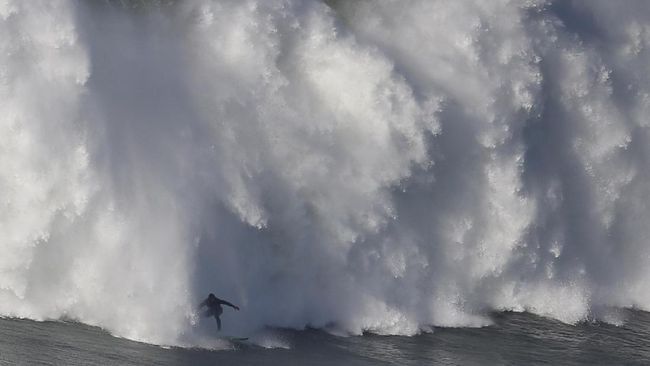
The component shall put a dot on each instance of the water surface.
(513, 339)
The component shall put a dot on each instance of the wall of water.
(368, 165)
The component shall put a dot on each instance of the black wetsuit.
(213, 304)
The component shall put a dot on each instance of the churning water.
(352, 166)
(514, 339)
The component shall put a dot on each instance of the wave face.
(361, 166)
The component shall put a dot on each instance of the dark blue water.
(513, 339)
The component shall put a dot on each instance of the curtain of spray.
(367, 165)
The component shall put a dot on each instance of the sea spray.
(356, 166)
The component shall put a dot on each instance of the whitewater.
(353, 166)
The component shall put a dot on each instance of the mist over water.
(380, 166)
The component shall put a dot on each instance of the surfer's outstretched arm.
(224, 302)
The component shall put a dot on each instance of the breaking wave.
(378, 166)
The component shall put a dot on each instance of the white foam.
(372, 166)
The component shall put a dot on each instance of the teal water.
(513, 339)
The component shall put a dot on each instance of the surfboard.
(234, 339)
(238, 339)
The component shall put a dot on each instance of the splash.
(354, 166)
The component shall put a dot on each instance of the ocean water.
(369, 170)
(513, 339)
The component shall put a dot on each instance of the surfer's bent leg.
(218, 322)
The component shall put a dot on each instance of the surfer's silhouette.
(213, 304)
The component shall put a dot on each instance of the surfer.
(213, 304)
